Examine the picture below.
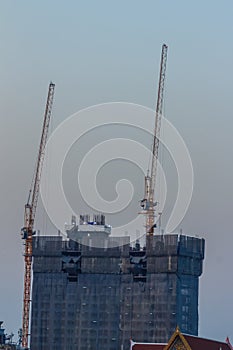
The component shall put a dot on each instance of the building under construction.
(98, 298)
(93, 291)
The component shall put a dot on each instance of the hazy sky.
(103, 51)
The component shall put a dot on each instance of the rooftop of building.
(183, 341)
(147, 346)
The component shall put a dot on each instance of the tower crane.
(148, 203)
(27, 231)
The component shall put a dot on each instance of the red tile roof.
(148, 346)
(197, 343)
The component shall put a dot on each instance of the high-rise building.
(86, 297)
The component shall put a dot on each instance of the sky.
(108, 51)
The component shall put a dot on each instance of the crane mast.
(29, 217)
(148, 203)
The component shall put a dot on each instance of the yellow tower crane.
(148, 203)
(29, 218)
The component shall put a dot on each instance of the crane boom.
(148, 203)
(29, 217)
